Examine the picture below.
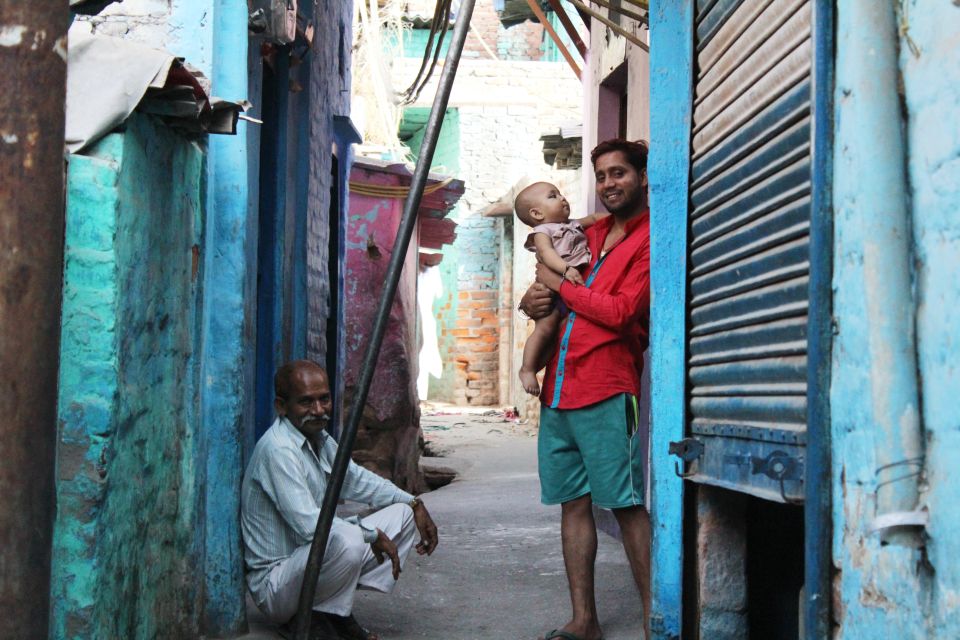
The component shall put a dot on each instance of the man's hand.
(538, 301)
(549, 278)
(428, 530)
(382, 546)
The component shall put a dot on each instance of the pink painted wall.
(387, 441)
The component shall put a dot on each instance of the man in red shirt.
(589, 446)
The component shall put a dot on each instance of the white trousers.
(348, 565)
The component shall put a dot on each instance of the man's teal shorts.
(595, 450)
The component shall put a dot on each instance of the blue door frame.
(671, 112)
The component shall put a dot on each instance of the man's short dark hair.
(281, 379)
(636, 152)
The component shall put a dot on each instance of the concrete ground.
(498, 571)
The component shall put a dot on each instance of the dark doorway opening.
(273, 188)
(774, 569)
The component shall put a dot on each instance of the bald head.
(283, 380)
(531, 198)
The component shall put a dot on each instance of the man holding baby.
(589, 447)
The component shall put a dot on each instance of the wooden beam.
(568, 25)
(553, 34)
(643, 4)
(624, 12)
(614, 27)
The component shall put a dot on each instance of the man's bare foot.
(528, 379)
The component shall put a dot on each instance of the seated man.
(282, 494)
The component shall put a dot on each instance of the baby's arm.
(590, 220)
(549, 256)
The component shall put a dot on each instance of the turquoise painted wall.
(892, 590)
(446, 159)
(127, 543)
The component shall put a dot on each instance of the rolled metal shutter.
(749, 249)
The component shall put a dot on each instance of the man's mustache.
(315, 419)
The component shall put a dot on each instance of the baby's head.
(540, 203)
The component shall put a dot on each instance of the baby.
(559, 244)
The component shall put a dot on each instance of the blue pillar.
(671, 104)
(214, 37)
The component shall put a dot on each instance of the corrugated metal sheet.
(749, 242)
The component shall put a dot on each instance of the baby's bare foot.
(529, 381)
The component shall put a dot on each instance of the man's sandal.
(349, 628)
(565, 635)
(320, 629)
(556, 633)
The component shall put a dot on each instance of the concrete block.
(721, 563)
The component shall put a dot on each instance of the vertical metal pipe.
(408, 224)
(817, 499)
(33, 56)
(868, 72)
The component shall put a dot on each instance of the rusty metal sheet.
(751, 29)
(749, 248)
(730, 78)
(789, 71)
(753, 373)
(777, 338)
(777, 263)
(708, 53)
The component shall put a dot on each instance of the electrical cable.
(441, 23)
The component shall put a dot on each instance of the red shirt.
(601, 342)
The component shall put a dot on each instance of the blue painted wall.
(932, 88)
(895, 590)
(671, 104)
(212, 35)
(125, 548)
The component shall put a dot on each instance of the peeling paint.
(12, 35)
(127, 518)
(38, 39)
(60, 47)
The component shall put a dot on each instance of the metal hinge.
(688, 450)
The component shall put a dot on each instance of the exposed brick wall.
(521, 41)
(478, 342)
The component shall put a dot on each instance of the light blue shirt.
(282, 492)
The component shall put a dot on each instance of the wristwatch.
(416, 501)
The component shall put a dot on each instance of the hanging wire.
(440, 25)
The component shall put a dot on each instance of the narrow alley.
(265, 263)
